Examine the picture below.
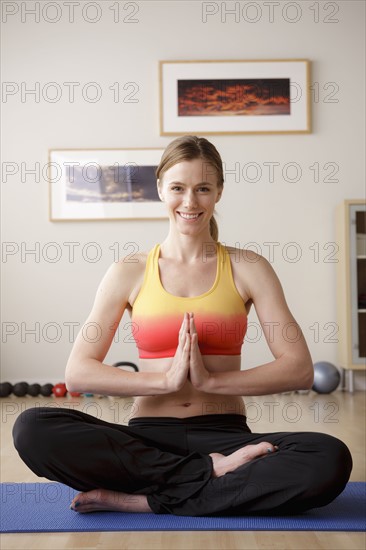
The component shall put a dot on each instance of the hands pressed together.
(187, 363)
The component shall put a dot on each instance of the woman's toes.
(260, 449)
(75, 505)
(81, 500)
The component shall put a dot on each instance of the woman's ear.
(159, 191)
(219, 195)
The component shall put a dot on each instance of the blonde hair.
(189, 148)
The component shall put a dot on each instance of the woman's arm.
(85, 370)
(292, 368)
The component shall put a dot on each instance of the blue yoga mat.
(39, 507)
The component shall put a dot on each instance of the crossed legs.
(184, 467)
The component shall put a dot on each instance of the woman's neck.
(186, 249)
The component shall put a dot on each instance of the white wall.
(106, 52)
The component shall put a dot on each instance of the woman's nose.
(189, 199)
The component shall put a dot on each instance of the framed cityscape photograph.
(104, 184)
(234, 97)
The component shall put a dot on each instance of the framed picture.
(234, 97)
(104, 184)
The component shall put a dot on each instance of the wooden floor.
(339, 414)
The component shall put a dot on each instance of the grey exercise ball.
(326, 377)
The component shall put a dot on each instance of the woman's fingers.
(187, 345)
(184, 338)
(183, 330)
(193, 331)
(187, 329)
(192, 325)
(194, 339)
(195, 351)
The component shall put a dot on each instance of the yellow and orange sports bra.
(220, 315)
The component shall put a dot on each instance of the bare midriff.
(189, 401)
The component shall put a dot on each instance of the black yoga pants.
(168, 460)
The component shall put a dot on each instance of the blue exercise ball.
(326, 377)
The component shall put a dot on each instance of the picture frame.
(104, 184)
(210, 97)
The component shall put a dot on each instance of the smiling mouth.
(189, 216)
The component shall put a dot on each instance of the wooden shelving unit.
(351, 288)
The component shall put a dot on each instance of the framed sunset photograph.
(234, 97)
(104, 184)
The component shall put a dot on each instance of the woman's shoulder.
(251, 268)
(133, 261)
(243, 255)
(249, 265)
(125, 273)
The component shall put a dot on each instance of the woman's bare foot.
(223, 464)
(104, 500)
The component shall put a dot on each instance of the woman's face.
(190, 187)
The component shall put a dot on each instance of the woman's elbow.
(70, 383)
(307, 378)
(72, 378)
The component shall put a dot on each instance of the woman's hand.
(177, 375)
(198, 373)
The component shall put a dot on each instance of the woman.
(187, 449)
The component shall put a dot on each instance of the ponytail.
(214, 229)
